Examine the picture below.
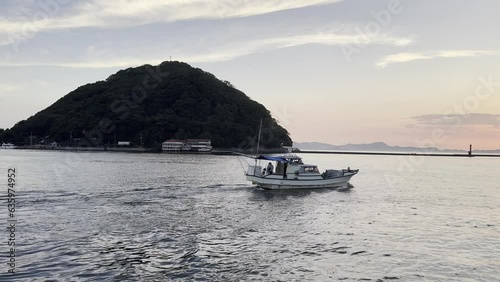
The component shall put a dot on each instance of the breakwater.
(398, 154)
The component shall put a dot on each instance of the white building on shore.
(189, 145)
(172, 145)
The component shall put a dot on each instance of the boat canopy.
(272, 158)
(284, 158)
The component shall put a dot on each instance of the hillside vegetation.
(172, 100)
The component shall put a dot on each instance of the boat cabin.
(284, 166)
(308, 169)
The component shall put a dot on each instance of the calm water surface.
(153, 217)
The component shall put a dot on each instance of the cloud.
(115, 14)
(174, 10)
(270, 44)
(455, 120)
(409, 57)
(102, 59)
(7, 89)
(124, 13)
(108, 63)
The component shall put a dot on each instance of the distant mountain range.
(381, 147)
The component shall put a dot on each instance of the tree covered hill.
(171, 100)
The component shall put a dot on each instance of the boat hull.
(283, 183)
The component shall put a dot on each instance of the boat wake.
(225, 186)
(345, 188)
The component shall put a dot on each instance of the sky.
(405, 72)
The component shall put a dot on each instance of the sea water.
(164, 217)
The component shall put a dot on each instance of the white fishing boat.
(292, 173)
(7, 146)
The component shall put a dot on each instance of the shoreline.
(221, 151)
(86, 149)
(229, 152)
(398, 154)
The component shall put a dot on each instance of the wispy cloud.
(174, 10)
(124, 13)
(409, 57)
(117, 14)
(7, 89)
(263, 45)
(472, 119)
(103, 59)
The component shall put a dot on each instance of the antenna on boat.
(258, 138)
(258, 147)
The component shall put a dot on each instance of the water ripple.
(146, 218)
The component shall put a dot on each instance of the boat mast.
(258, 138)
(258, 145)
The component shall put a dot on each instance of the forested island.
(147, 105)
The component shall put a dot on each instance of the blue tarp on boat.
(275, 159)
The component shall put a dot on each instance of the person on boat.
(270, 168)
